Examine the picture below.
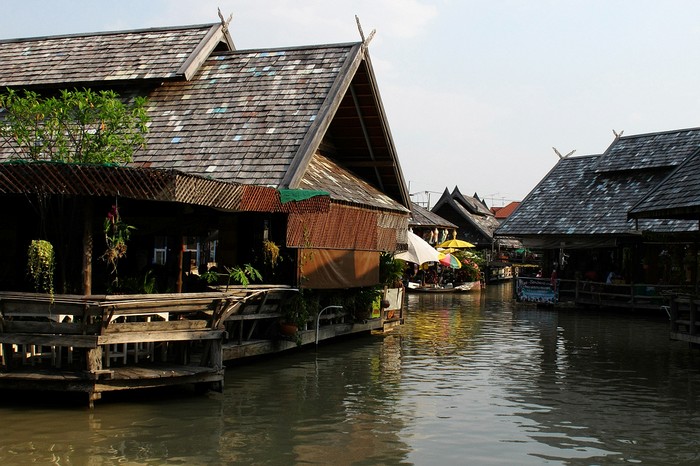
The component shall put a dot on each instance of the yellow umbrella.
(455, 243)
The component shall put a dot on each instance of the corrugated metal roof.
(98, 180)
(323, 173)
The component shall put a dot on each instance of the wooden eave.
(353, 117)
(316, 132)
(146, 184)
(217, 34)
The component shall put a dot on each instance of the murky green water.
(470, 379)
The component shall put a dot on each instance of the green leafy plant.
(298, 309)
(73, 127)
(41, 265)
(391, 271)
(471, 266)
(242, 275)
(210, 277)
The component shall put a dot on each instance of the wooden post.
(673, 314)
(692, 318)
(180, 265)
(94, 359)
(87, 248)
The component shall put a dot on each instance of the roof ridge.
(107, 33)
(659, 133)
(296, 47)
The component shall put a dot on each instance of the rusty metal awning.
(148, 184)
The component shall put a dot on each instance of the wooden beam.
(87, 247)
(145, 337)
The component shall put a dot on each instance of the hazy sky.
(476, 92)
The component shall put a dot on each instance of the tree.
(73, 127)
(78, 126)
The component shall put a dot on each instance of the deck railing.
(615, 295)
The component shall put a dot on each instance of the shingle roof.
(573, 199)
(678, 196)
(422, 217)
(110, 56)
(324, 174)
(244, 115)
(469, 209)
(252, 117)
(649, 151)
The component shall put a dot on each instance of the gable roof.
(650, 151)
(575, 199)
(84, 59)
(502, 213)
(423, 218)
(468, 209)
(244, 115)
(255, 117)
(678, 196)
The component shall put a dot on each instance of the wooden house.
(286, 146)
(502, 213)
(475, 222)
(429, 225)
(597, 214)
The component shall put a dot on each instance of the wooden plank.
(145, 337)
(68, 328)
(27, 308)
(78, 341)
(156, 326)
(237, 317)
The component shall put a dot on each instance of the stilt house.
(287, 145)
(626, 211)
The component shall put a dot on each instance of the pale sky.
(476, 92)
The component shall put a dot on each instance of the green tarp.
(288, 195)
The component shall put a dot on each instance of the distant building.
(632, 210)
(429, 225)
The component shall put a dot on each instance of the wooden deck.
(96, 344)
(684, 314)
(611, 296)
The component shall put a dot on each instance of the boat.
(414, 287)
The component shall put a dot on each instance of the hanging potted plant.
(117, 233)
(271, 253)
(41, 265)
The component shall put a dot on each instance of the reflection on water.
(470, 379)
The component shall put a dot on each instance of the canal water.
(469, 379)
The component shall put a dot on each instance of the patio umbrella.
(451, 261)
(419, 251)
(455, 243)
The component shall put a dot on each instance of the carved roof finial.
(365, 40)
(224, 22)
(563, 156)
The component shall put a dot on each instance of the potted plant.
(40, 266)
(242, 275)
(296, 313)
